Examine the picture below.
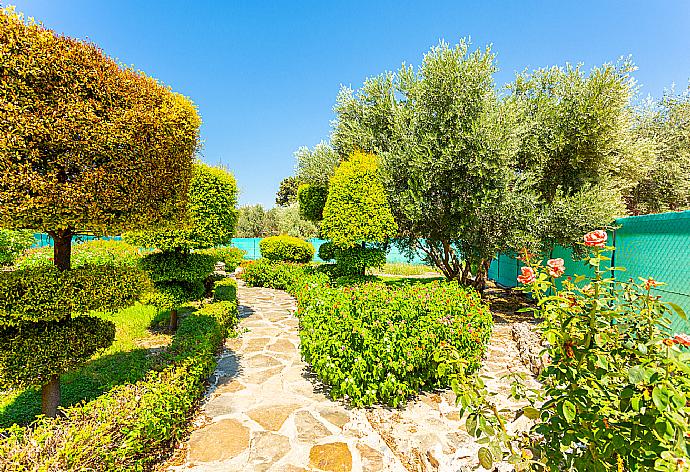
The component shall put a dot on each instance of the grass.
(129, 358)
(402, 280)
(405, 269)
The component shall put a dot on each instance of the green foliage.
(128, 428)
(286, 249)
(355, 260)
(575, 126)
(665, 184)
(47, 294)
(13, 244)
(85, 143)
(617, 382)
(210, 219)
(287, 193)
(125, 361)
(356, 210)
(312, 200)
(232, 257)
(252, 222)
(177, 267)
(255, 222)
(93, 252)
(224, 312)
(32, 353)
(265, 273)
(327, 251)
(373, 343)
(614, 392)
(315, 167)
(377, 344)
(225, 289)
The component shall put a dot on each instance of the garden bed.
(133, 424)
(376, 343)
(134, 352)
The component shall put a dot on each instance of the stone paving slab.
(264, 412)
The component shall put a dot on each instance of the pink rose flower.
(682, 339)
(596, 238)
(556, 267)
(527, 276)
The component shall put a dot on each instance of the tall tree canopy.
(470, 173)
(665, 184)
(86, 145)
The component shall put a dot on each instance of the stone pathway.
(265, 412)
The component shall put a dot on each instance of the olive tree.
(665, 185)
(446, 145)
(577, 146)
(86, 145)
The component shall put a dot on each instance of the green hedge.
(13, 243)
(224, 311)
(232, 257)
(286, 249)
(94, 252)
(376, 344)
(32, 353)
(265, 273)
(177, 267)
(132, 425)
(225, 289)
(47, 294)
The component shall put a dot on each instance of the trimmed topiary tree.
(86, 146)
(312, 200)
(286, 249)
(357, 213)
(177, 273)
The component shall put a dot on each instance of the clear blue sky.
(265, 74)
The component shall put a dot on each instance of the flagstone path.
(265, 412)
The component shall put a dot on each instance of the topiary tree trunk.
(62, 258)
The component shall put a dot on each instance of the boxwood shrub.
(132, 425)
(286, 249)
(265, 273)
(225, 289)
(31, 354)
(47, 294)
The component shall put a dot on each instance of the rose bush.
(616, 390)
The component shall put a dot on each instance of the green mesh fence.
(655, 246)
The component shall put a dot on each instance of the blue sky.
(265, 74)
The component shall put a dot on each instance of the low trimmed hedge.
(225, 312)
(225, 289)
(265, 273)
(372, 343)
(132, 425)
(177, 267)
(286, 249)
